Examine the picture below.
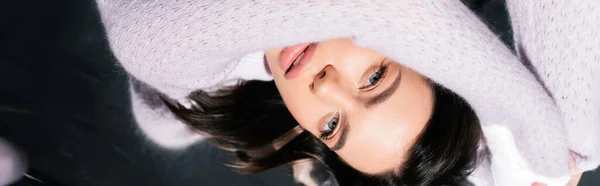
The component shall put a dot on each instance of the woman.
(418, 132)
(200, 54)
(430, 133)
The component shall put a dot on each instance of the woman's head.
(400, 128)
(364, 106)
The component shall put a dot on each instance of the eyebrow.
(384, 95)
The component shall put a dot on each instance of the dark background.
(65, 101)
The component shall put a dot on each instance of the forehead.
(381, 136)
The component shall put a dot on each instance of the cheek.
(272, 57)
(302, 106)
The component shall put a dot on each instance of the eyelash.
(382, 71)
(329, 133)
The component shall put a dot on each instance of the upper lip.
(290, 54)
(304, 62)
(297, 60)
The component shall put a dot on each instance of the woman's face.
(365, 107)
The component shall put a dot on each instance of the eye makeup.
(370, 80)
(373, 77)
(330, 128)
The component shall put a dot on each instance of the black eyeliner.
(324, 135)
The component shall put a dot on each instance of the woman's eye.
(374, 78)
(329, 128)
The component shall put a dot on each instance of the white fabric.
(181, 46)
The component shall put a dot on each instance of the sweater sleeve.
(561, 40)
(180, 46)
(447, 43)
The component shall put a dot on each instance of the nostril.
(322, 74)
(311, 86)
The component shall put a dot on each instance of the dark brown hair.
(252, 120)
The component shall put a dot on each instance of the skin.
(378, 136)
(575, 171)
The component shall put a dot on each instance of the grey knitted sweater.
(178, 46)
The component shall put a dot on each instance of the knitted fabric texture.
(180, 46)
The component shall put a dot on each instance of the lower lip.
(303, 63)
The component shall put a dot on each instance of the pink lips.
(289, 55)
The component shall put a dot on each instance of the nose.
(330, 87)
